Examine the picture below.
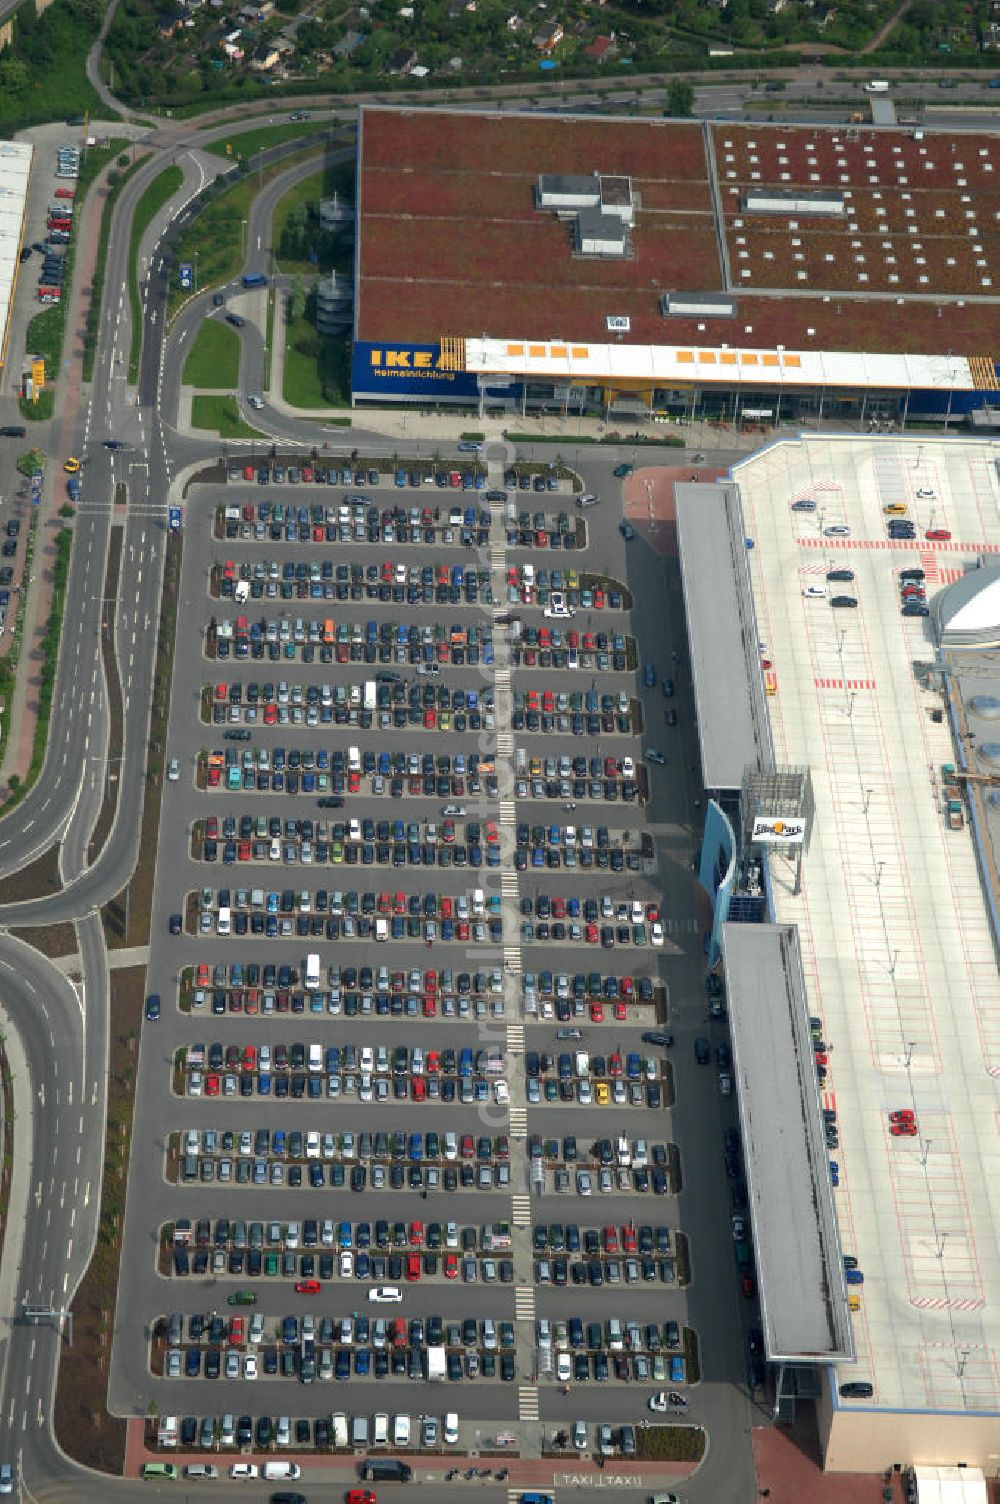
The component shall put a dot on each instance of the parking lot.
(469, 1100)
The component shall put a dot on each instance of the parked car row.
(261, 1172)
(347, 642)
(445, 476)
(599, 1270)
(559, 589)
(310, 1270)
(913, 592)
(397, 1145)
(546, 647)
(397, 1060)
(213, 1431)
(310, 1360)
(634, 923)
(324, 580)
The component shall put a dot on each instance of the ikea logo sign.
(406, 360)
(409, 370)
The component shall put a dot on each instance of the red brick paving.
(648, 496)
(787, 1463)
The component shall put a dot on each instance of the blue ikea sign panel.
(406, 371)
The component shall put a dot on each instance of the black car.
(175, 924)
(218, 298)
(915, 608)
(844, 600)
(840, 574)
(238, 322)
(702, 1051)
(654, 1036)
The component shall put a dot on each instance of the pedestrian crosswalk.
(515, 1037)
(509, 885)
(508, 811)
(517, 1120)
(505, 743)
(512, 959)
(520, 1210)
(527, 1402)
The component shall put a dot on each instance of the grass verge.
(671, 1443)
(692, 1359)
(216, 235)
(112, 678)
(269, 338)
(82, 1423)
(44, 335)
(214, 358)
(248, 143)
(293, 238)
(97, 285)
(136, 901)
(159, 192)
(17, 787)
(317, 367)
(221, 415)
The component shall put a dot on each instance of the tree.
(296, 300)
(680, 98)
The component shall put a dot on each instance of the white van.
(224, 922)
(478, 901)
(581, 1063)
(312, 970)
(381, 931)
(242, 592)
(339, 1430)
(354, 759)
(380, 1430)
(401, 1431)
(278, 1472)
(359, 1430)
(315, 1059)
(451, 1428)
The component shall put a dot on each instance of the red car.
(451, 1266)
(359, 1496)
(418, 1087)
(413, 1266)
(903, 1115)
(307, 1287)
(212, 1085)
(417, 1234)
(747, 1287)
(596, 1011)
(619, 1012)
(903, 1130)
(629, 1240)
(938, 534)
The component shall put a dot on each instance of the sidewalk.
(22, 713)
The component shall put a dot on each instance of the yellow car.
(72, 465)
(602, 1094)
(895, 509)
(854, 1301)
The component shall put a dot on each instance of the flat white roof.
(665, 364)
(897, 950)
(15, 170)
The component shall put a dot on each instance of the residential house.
(548, 36)
(601, 48)
(266, 57)
(349, 42)
(402, 61)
